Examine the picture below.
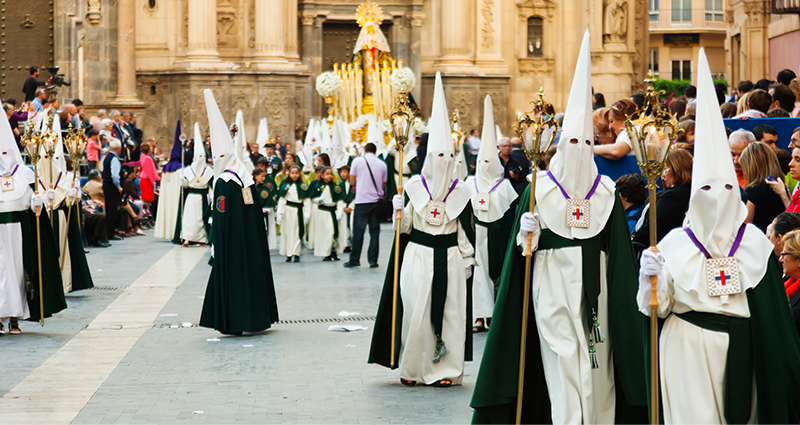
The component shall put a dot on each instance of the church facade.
(262, 56)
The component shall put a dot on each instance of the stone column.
(456, 37)
(126, 54)
(270, 37)
(312, 54)
(202, 49)
(414, 46)
(291, 31)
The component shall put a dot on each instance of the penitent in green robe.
(240, 296)
(495, 395)
(391, 171)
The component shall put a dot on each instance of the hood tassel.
(441, 350)
(596, 331)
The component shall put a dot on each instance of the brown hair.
(145, 148)
(677, 107)
(621, 109)
(728, 110)
(759, 100)
(680, 162)
(688, 127)
(795, 87)
(759, 162)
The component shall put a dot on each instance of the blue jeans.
(364, 214)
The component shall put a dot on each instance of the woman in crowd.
(602, 134)
(780, 227)
(294, 212)
(790, 258)
(149, 175)
(677, 107)
(728, 110)
(616, 116)
(130, 205)
(671, 204)
(759, 164)
(599, 101)
(794, 86)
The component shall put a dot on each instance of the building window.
(682, 11)
(535, 37)
(682, 70)
(654, 60)
(653, 10)
(714, 10)
(151, 4)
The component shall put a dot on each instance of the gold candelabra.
(32, 141)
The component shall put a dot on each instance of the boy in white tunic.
(196, 184)
(294, 212)
(729, 351)
(492, 199)
(437, 261)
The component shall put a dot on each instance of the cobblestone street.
(130, 351)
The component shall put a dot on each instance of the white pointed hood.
(200, 169)
(488, 169)
(339, 140)
(54, 173)
(241, 143)
(327, 145)
(263, 136)
(11, 159)
(439, 164)
(573, 164)
(715, 214)
(222, 146)
(374, 135)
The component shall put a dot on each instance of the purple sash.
(703, 249)
(425, 184)
(564, 192)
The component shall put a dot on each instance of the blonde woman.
(795, 87)
(760, 166)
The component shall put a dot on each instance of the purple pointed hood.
(175, 157)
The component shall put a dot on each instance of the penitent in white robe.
(345, 224)
(323, 226)
(692, 361)
(169, 199)
(290, 227)
(13, 297)
(418, 340)
(192, 225)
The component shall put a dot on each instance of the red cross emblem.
(435, 212)
(722, 278)
(221, 204)
(482, 201)
(7, 184)
(577, 213)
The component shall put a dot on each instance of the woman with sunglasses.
(790, 258)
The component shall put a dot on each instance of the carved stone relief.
(228, 23)
(275, 107)
(185, 23)
(487, 32)
(464, 101)
(94, 12)
(533, 66)
(307, 17)
(251, 42)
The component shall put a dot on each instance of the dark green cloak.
(380, 349)
(81, 274)
(498, 235)
(391, 171)
(240, 296)
(495, 395)
(268, 193)
(52, 286)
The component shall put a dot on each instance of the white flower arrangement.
(419, 126)
(328, 84)
(403, 80)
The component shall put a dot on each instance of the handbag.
(383, 208)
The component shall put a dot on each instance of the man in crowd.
(274, 165)
(512, 170)
(112, 188)
(38, 101)
(129, 123)
(767, 134)
(758, 104)
(32, 84)
(785, 77)
(782, 97)
(368, 174)
(474, 144)
(743, 88)
(738, 141)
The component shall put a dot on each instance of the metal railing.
(689, 19)
(786, 6)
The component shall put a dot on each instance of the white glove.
(306, 219)
(469, 262)
(397, 202)
(278, 219)
(185, 183)
(73, 193)
(651, 264)
(37, 200)
(264, 210)
(339, 216)
(50, 195)
(529, 224)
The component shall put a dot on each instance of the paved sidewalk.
(296, 372)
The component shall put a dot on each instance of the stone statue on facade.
(615, 21)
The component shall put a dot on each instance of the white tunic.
(13, 297)
(290, 227)
(192, 225)
(578, 393)
(323, 225)
(347, 220)
(169, 198)
(418, 338)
